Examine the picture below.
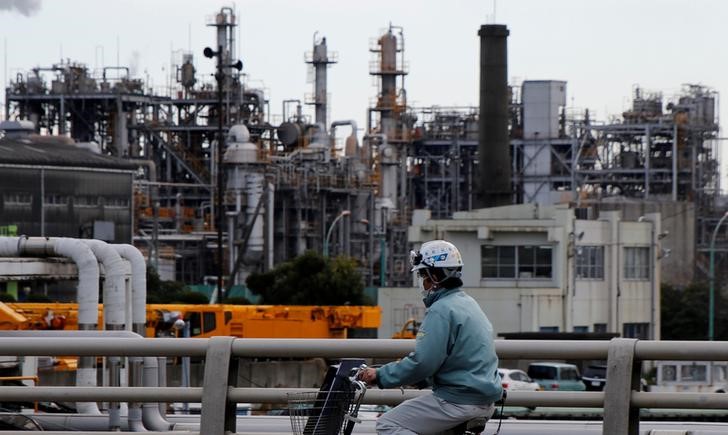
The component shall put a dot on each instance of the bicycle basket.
(319, 412)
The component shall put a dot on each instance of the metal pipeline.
(114, 311)
(140, 419)
(351, 123)
(138, 286)
(87, 291)
(152, 415)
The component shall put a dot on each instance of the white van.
(691, 376)
(195, 408)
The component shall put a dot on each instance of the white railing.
(621, 399)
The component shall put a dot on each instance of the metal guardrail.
(621, 399)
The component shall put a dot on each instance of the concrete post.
(623, 375)
(218, 415)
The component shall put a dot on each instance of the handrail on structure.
(621, 399)
(35, 379)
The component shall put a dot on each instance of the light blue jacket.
(454, 351)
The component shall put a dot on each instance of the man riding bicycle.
(454, 353)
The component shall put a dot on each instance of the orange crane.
(245, 321)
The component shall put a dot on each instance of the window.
(669, 373)
(637, 263)
(600, 327)
(116, 203)
(195, 320)
(548, 329)
(85, 201)
(17, 199)
(498, 261)
(208, 322)
(636, 330)
(590, 262)
(694, 373)
(516, 261)
(56, 200)
(542, 372)
(569, 374)
(581, 329)
(534, 261)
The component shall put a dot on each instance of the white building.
(538, 269)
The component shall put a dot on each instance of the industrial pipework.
(87, 291)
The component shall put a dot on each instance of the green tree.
(7, 297)
(170, 292)
(311, 279)
(684, 313)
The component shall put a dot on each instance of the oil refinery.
(281, 185)
(569, 223)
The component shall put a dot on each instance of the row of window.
(524, 262)
(629, 330)
(26, 199)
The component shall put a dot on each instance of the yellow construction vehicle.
(248, 321)
(409, 330)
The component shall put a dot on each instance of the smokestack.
(494, 157)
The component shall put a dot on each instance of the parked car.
(595, 377)
(556, 376)
(517, 380)
(372, 412)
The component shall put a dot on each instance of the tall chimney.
(494, 157)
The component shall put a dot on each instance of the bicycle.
(333, 409)
(476, 426)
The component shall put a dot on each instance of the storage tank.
(187, 72)
(290, 133)
(246, 182)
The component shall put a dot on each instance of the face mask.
(421, 285)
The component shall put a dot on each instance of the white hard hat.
(436, 254)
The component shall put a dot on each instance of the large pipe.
(138, 313)
(114, 311)
(87, 291)
(269, 210)
(138, 420)
(154, 202)
(494, 181)
(114, 284)
(351, 148)
(152, 415)
(138, 286)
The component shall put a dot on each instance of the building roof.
(36, 152)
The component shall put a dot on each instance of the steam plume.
(25, 7)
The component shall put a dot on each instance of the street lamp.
(331, 228)
(220, 77)
(711, 303)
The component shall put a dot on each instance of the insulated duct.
(87, 291)
(137, 421)
(114, 311)
(494, 161)
(114, 284)
(138, 286)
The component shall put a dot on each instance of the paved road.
(280, 426)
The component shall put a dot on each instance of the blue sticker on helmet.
(440, 257)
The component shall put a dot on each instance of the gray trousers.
(428, 415)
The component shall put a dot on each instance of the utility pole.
(220, 78)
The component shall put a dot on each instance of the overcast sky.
(601, 48)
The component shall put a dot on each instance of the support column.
(220, 374)
(620, 417)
